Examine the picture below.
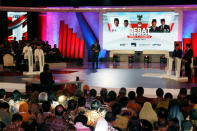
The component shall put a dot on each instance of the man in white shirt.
(115, 27)
(38, 52)
(27, 50)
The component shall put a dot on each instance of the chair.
(8, 62)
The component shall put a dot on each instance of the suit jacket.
(177, 53)
(188, 55)
(154, 30)
(94, 48)
(166, 28)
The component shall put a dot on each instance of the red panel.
(185, 42)
(81, 49)
(69, 38)
(64, 39)
(194, 43)
(180, 44)
(77, 48)
(72, 48)
(42, 27)
(61, 35)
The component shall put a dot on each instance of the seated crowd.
(15, 48)
(87, 111)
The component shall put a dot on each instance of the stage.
(109, 75)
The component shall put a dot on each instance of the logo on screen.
(133, 44)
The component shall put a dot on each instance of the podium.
(169, 74)
(30, 64)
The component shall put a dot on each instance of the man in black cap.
(163, 27)
(154, 28)
(187, 59)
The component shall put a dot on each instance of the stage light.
(131, 59)
(163, 59)
(147, 59)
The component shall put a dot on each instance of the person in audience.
(187, 125)
(23, 111)
(162, 115)
(193, 113)
(58, 122)
(15, 124)
(45, 113)
(140, 99)
(81, 105)
(72, 111)
(103, 94)
(132, 104)
(173, 125)
(91, 97)
(167, 97)
(148, 113)
(43, 96)
(134, 124)
(112, 95)
(175, 112)
(46, 78)
(121, 121)
(14, 102)
(182, 97)
(146, 125)
(80, 123)
(27, 50)
(124, 110)
(159, 93)
(4, 113)
(2, 95)
(162, 125)
(101, 125)
(94, 114)
(110, 118)
(106, 104)
(122, 93)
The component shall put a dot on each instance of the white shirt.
(37, 53)
(115, 28)
(26, 51)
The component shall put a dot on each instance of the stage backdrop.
(142, 32)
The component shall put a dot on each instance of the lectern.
(41, 62)
(169, 65)
(30, 62)
(177, 66)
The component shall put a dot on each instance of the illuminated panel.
(185, 42)
(69, 37)
(77, 48)
(61, 35)
(64, 39)
(81, 49)
(72, 48)
(194, 43)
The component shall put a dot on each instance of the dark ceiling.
(37, 3)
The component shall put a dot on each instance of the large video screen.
(140, 30)
(17, 25)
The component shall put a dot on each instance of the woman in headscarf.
(175, 112)
(148, 113)
(23, 111)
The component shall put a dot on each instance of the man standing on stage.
(177, 52)
(26, 51)
(187, 59)
(38, 52)
(95, 50)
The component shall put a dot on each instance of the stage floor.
(109, 75)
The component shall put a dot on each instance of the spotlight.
(131, 59)
(147, 59)
(163, 59)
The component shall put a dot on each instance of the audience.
(89, 112)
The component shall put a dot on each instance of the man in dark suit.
(187, 59)
(163, 27)
(154, 28)
(177, 52)
(95, 51)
